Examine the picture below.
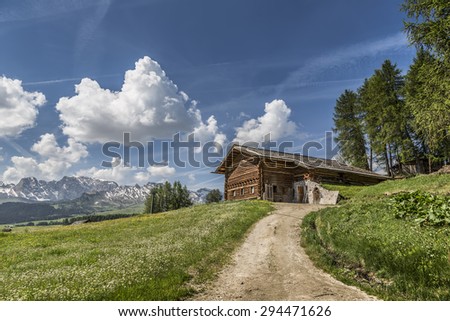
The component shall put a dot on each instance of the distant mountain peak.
(67, 188)
(71, 188)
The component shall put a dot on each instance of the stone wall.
(319, 195)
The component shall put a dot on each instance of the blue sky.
(256, 66)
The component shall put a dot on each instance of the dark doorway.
(316, 196)
(300, 194)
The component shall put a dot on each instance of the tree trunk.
(388, 167)
(390, 160)
(400, 165)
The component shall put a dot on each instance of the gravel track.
(271, 265)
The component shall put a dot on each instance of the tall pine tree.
(426, 97)
(428, 28)
(349, 131)
(166, 197)
(386, 118)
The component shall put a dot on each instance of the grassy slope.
(362, 243)
(148, 257)
(439, 184)
(134, 209)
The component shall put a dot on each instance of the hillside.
(439, 184)
(366, 243)
(148, 257)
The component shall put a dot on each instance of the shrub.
(422, 207)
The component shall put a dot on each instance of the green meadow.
(146, 257)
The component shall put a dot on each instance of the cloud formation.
(18, 108)
(129, 174)
(149, 105)
(55, 160)
(275, 122)
(209, 131)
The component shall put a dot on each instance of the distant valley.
(32, 199)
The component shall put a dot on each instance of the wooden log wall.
(244, 182)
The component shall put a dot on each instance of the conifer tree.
(386, 120)
(426, 99)
(166, 197)
(349, 131)
(428, 28)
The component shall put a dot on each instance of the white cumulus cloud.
(55, 161)
(209, 132)
(48, 147)
(149, 105)
(18, 108)
(275, 122)
(126, 175)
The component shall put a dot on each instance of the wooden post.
(225, 187)
(261, 180)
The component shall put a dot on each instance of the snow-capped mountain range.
(71, 188)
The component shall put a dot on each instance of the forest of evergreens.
(394, 119)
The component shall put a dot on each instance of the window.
(252, 189)
(234, 193)
(242, 191)
(274, 188)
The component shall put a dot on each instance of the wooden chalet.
(252, 173)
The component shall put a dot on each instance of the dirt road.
(271, 265)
